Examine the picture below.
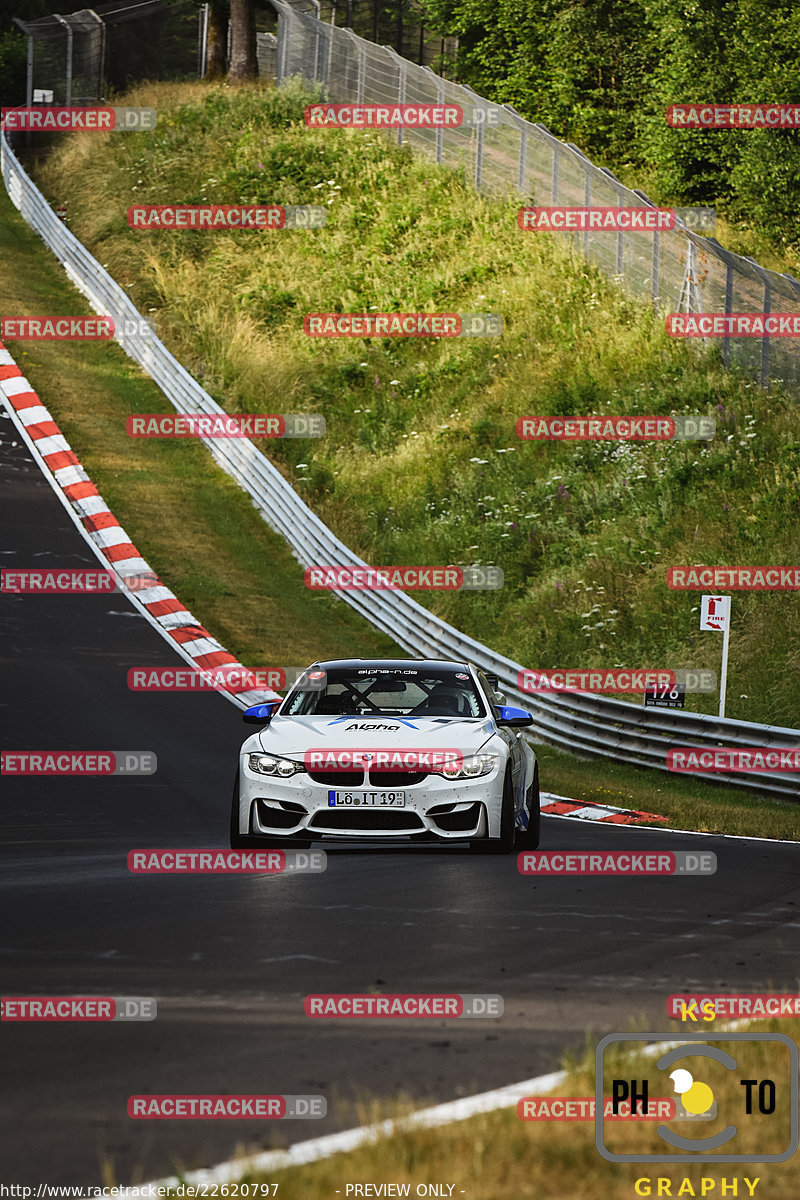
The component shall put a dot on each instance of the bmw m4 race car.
(389, 749)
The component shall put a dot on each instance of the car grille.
(341, 779)
(365, 818)
(393, 780)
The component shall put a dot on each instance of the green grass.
(687, 803)
(499, 1156)
(202, 535)
(195, 527)
(421, 462)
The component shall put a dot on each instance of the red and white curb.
(587, 810)
(109, 541)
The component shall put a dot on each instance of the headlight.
(268, 764)
(469, 768)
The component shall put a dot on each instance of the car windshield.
(388, 692)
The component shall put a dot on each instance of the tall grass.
(421, 463)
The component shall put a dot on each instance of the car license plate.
(362, 799)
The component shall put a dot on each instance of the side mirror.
(260, 714)
(511, 717)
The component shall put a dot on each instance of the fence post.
(439, 130)
(765, 339)
(587, 194)
(68, 80)
(102, 63)
(202, 40)
(29, 83)
(523, 158)
(362, 71)
(726, 341)
(554, 190)
(284, 24)
(479, 158)
(522, 161)
(620, 234)
(401, 95)
(587, 201)
(656, 264)
(329, 61)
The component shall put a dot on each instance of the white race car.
(389, 749)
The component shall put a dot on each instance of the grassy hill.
(421, 463)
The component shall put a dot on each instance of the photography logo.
(696, 1067)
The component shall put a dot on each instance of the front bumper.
(435, 809)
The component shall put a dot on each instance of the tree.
(244, 62)
(217, 38)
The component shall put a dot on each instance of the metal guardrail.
(674, 270)
(582, 723)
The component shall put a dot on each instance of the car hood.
(292, 736)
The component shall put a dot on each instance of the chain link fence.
(675, 270)
(75, 59)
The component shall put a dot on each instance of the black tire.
(529, 839)
(505, 843)
(239, 841)
(243, 841)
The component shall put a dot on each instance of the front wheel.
(505, 843)
(239, 841)
(528, 839)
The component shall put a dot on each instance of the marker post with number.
(715, 614)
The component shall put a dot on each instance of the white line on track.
(350, 1139)
(320, 1148)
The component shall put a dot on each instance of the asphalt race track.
(229, 959)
